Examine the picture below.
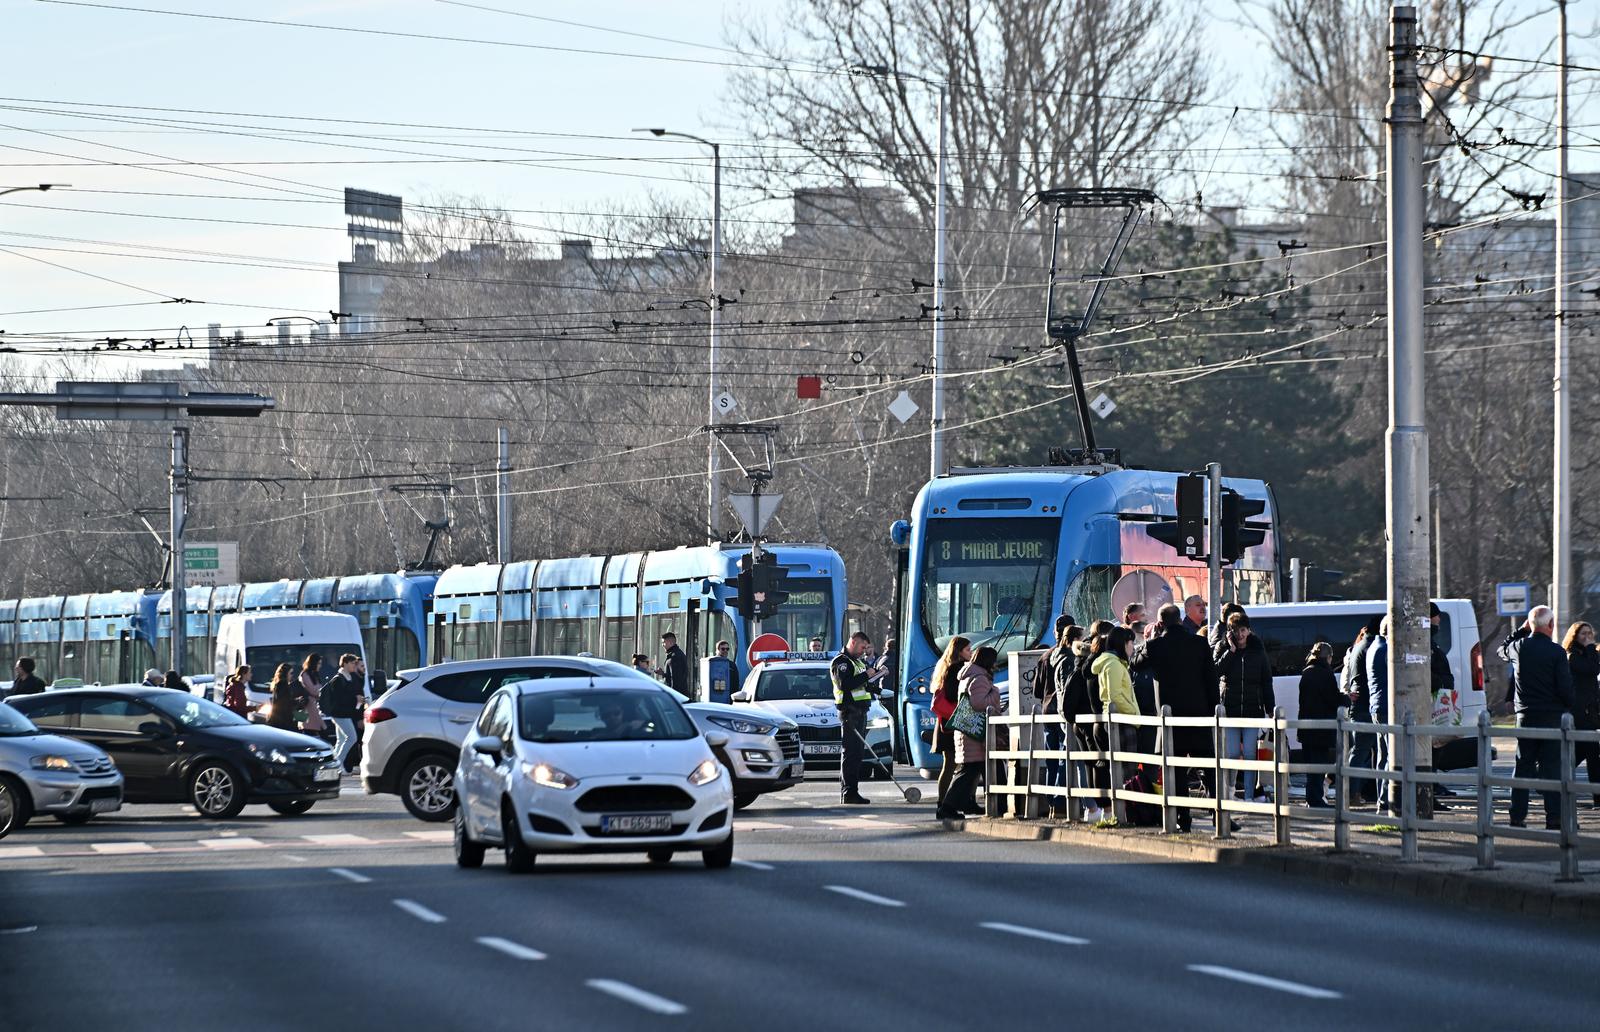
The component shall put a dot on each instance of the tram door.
(692, 647)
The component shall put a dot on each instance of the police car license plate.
(635, 823)
(104, 805)
(327, 774)
(822, 749)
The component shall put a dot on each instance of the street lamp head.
(652, 132)
(860, 68)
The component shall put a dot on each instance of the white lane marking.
(636, 996)
(744, 825)
(1033, 933)
(431, 836)
(122, 847)
(509, 948)
(20, 930)
(417, 910)
(865, 897)
(1266, 982)
(349, 875)
(754, 865)
(294, 859)
(337, 840)
(232, 843)
(10, 852)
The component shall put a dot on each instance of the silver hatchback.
(42, 773)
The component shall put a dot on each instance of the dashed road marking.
(865, 897)
(122, 847)
(636, 996)
(16, 852)
(19, 930)
(232, 843)
(349, 875)
(754, 865)
(761, 826)
(337, 840)
(294, 859)
(420, 912)
(509, 948)
(1266, 982)
(1033, 933)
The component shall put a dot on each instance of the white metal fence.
(1024, 760)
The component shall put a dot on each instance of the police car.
(796, 685)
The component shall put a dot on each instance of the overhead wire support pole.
(180, 516)
(1561, 489)
(1407, 460)
(502, 498)
(936, 400)
(1213, 545)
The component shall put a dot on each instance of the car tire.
(745, 799)
(719, 856)
(217, 791)
(16, 806)
(74, 819)
(469, 854)
(292, 807)
(519, 858)
(659, 855)
(428, 787)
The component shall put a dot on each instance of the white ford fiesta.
(590, 765)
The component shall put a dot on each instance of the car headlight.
(741, 726)
(881, 722)
(269, 755)
(707, 772)
(51, 763)
(550, 777)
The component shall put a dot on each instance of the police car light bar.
(777, 656)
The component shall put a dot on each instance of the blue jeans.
(1363, 749)
(345, 730)
(1239, 743)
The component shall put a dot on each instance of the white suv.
(415, 729)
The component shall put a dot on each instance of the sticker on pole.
(725, 403)
(1511, 598)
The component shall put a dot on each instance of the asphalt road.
(354, 916)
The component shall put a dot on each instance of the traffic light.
(1187, 531)
(743, 598)
(771, 580)
(1320, 583)
(1237, 534)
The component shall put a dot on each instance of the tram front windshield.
(989, 580)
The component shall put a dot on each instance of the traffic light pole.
(1213, 544)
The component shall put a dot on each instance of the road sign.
(902, 407)
(725, 403)
(768, 642)
(211, 565)
(1511, 598)
(1103, 405)
(754, 511)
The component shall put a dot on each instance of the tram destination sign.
(997, 549)
(210, 564)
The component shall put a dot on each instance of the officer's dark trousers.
(853, 723)
(1537, 758)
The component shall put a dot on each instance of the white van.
(1289, 629)
(264, 640)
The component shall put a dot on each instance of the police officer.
(852, 694)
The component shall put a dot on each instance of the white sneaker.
(1093, 814)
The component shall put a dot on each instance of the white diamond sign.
(902, 407)
(725, 403)
(1103, 405)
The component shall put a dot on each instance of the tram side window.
(71, 659)
(620, 631)
(561, 637)
(101, 665)
(515, 635)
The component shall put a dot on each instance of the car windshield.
(603, 715)
(264, 659)
(14, 724)
(779, 685)
(989, 580)
(193, 711)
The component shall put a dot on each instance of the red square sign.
(808, 386)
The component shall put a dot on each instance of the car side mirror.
(740, 696)
(717, 740)
(488, 745)
(155, 729)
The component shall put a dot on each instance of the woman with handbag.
(979, 700)
(311, 695)
(945, 691)
(285, 689)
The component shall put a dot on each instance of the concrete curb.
(1505, 891)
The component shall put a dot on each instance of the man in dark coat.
(1320, 699)
(1186, 681)
(23, 679)
(1363, 744)
(1544, 693)
(675, 665)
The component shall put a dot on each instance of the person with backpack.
(340, 702)
(1110, 669)
(977, 685)
(236, 692)
(946, 690)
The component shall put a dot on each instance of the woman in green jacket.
(1110, 669)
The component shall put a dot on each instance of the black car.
(173, 747)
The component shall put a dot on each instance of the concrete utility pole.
(180, 516)
(936, 400)
(1407, 468)
(1213, 544)
(502, 500)
(1561, 522)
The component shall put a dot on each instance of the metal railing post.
(1169, 817)
(1070, 743)
(1222, 790)
(989, 807)
(1280, 777)
(1485, 796)
(1408, 797)
(1569, 805)
(1114, 765)
(1030, 802)
(1341, 780)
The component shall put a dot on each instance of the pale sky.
(52, 54)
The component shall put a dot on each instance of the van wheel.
(719, 856)
(469, 854)
(428, 788)
(215, 790)
(15, 805)
(519, 858)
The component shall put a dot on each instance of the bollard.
(1408, 797)
(1485, 796)
(1280, 778)
(1341, 780)
(1219, 786)
(1569, 806)
(1169, 817)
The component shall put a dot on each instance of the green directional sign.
(211, 564)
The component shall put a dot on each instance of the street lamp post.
(41, 187)
(165, 402)
(712, 534)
